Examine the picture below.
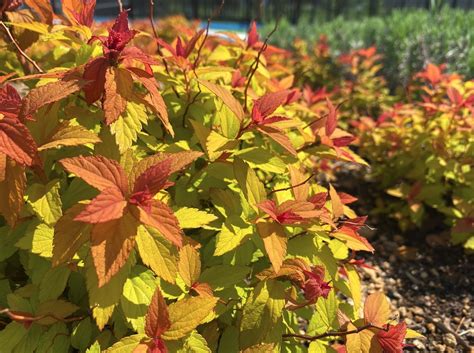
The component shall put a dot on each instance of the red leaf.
(107, 206)
(10, 101)
(331, 120)
(161, 217)
(454, 96)
(157, 317)
(94, 73)
(252, 37)
(346, 198)
(269, 207)
(154, 178)
(391, 341)
(180, 48)
(267, 104)
(99, 172)
(16, 141)
(192, 43)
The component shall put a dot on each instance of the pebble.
(449, 339)
(431, 327)
(440, 348)
(419, 345)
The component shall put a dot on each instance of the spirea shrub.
(421, 153)
(169, 199)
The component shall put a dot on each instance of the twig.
(155, 33)
(292, 186)
(120, 5)
(333, 333)
(20, 51)
(253, 68)
(22, 317)
(215, 13)
(447, 329)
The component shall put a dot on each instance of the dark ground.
(429, 282)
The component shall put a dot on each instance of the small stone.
(449, 339)
(417, 310)
(431, 327)
(424, 275)
(450, 350)
(440, 348)
(403, 311)
(419, 345)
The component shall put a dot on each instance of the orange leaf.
(3, 166)
(301, 191)
(52, 92)
(178, 161)
(161, 217)
(279, 137)
(100, 172)
(118, 85)
(43, 8)
(156, 102)
(111, 244)
(69, 235)
(376, 309)
(337, 205)
(275, 242)
(229, 100)
(352, 239)
(16, 141)
(79, 11)
(157, 318)
(107, 206)
(12, 189)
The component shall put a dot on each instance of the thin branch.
(20, 51)
(215, 13)
(120, 5)
(23, 317)
(333, 333)
(155, 34)
(253, 68)
(293, 186)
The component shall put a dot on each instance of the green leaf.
(137, 293)
(54, 310)
(195, 343)
(185, 315)
(339, 249)
(220, 277)
(193, 217)
(30, 341)
(45, 201)
(234, 232)
(262, 312)
(327, 308)
(53, 283)
(12, 335)
(104, 299)
(38, 239)
(126, 344)
(55, 340)
(95, 348)
(82, 334)
(251, 186)
(260, 158)
(128, 125)
(157, 253)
